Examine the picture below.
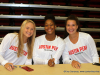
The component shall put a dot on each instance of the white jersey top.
(84, 51)
(8, 51)
(43, 50)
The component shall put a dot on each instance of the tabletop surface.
(58, 69)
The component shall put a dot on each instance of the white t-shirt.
(84, 51)
(8, 51)
(43, 50)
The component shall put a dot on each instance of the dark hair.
(71, 17)
(51, 17)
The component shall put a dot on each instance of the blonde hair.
(30, 40)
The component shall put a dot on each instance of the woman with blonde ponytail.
(17, 48)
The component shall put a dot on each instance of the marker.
(51, 58)
(12, 67)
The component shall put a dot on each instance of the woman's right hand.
(51, 62)
(76, 64)
(9, 66)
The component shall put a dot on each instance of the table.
(58, 69)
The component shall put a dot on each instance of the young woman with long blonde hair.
(17, 48)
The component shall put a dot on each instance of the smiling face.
(50, 26)
(71, 27)
(28, 30)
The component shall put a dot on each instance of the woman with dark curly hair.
(48, 47)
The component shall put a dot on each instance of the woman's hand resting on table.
(9, 66)
(51, 62)
(76, 64)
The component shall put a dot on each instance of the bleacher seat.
(93, 24)
(3, 33)
(39, 23)
(94, 14)
(79, 3)
(95, 35)
(21, 1)
(4, 1)
(21, 11)
(82, 24)
(4, 22)
(18, 22)
(40, 12)
(60, 23)
(59, 3)
(94, 3)
(40, 2)
(77, 13)
(4, 11)
(59, 12)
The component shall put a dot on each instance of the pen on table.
(51, 57)
(78, 64)
(12, 67)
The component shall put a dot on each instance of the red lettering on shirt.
(43, 46)
(14, 48)
(77, 50)
(25, 53)
(10, 47)
(48, 47)
(56, 48)
(40, 47)
(73, 51)
(83, 48)
(70, 53)
(53, 47)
